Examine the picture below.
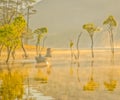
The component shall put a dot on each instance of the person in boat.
(40, 58)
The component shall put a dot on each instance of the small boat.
(40, 59)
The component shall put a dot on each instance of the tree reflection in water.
(111, 84)
(41, 76)
(14, 80)
(91, 84)
(11, 84)
(71, 68)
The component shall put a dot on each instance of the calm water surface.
(102, 71)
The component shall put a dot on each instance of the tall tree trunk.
(28, 18)
(39, 49)
(112, 46)
(8, 53)
(78, 53)
(111, 41)
(1, 49)
(92, 52)
(4, 12)
(44, 41)
(13, 52)
(22, 45)
(36, 48)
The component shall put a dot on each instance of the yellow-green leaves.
(11, 33)
(19, 24)
(6, 33)
(90, 28)
(40, 33)
(41, 30)
(12, 85)
(110, 21)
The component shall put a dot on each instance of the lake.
(63, 79)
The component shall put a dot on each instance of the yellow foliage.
(91, 85)
(110, 85)
(91, 28)
(10, 34)
(11, 85)
(110, 21)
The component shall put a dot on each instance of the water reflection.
(71, 68)
(11, 85)
(111, 84)
(14, 78)
(91, 85)
(41, 76)
(78, 67)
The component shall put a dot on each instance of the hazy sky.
(64, 19)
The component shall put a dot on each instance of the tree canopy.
(91, 28)
(110, 21)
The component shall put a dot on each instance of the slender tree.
(71, 48)
(72, 55)
(44, 39)
(111, 23)
(77, 45)
(10, 34)
(9, 10)
(91, 29)
(40, 32)
(77, 56)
